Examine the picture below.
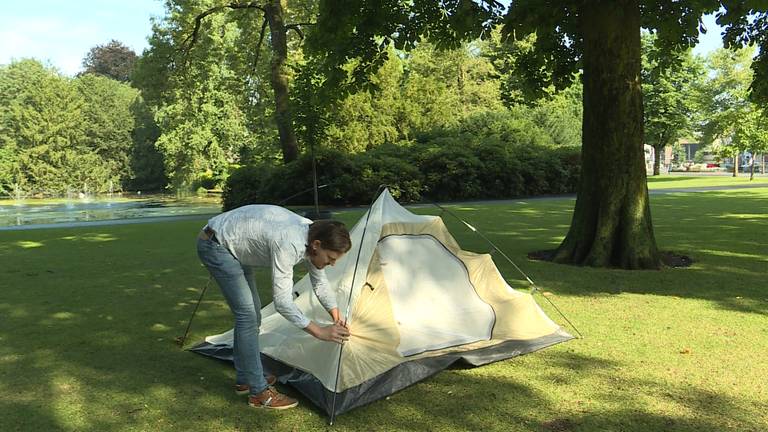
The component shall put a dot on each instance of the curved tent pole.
(496, 248)
(349, 301)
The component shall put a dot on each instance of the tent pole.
(349, 300)
(314, 178)
(533, 285)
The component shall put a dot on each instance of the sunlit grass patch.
(679, 182)
(27, 244)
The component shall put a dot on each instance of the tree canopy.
(113, 60)
(671, 100)
(61, 135)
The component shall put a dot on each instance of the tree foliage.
(109, 122)
(751, 133)
(113, 60)
(725, 93)
(199, 97)
(670, 90)
(60, 135)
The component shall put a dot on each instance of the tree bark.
(657, 159)
(279, 80)
(611, 225)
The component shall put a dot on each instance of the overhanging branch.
(261, 39)
(297, 28)
(192, 38)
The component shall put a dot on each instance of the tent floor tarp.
(397, 378)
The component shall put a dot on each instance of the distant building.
(664, 162)
(650, 153)
(690, 147)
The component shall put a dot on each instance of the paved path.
(421, 205)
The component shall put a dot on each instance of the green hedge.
(442, 168)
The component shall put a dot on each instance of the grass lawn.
(88, 317)
(694, 181)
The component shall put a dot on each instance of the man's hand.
(333, 333)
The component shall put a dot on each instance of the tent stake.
(533, 285)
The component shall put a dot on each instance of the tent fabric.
(418, 304)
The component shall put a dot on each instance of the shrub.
(206, 181)
(451, 171)
(244, 185)
(442, 168)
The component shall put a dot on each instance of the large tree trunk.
(279, 80)
(611, 224)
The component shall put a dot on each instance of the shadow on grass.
(467, 400)
(722, 231)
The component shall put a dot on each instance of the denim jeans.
(239, 288)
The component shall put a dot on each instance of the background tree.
(146, 162)
(751, 134)
(198, 98)
(560, 115)
(109, 123)
(670, 87)
(228, 57)
(726, 100)
(611, 224)
(276, 16)
(44, 127)
(113, 60)
(558, 112)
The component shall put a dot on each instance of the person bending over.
(232, 244)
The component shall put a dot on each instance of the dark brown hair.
(333, 235)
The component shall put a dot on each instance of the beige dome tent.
(416, 304)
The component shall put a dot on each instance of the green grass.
(88, 317)
(693, 181)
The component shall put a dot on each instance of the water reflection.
(65, 210)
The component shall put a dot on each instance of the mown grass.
(694, 181)
(88, 317)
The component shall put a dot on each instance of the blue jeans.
(239, 288)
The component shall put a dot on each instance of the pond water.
(62, 211)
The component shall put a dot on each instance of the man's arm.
(282, 293)
(322, 290)
(282, 290)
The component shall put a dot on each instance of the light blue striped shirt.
(275, 237)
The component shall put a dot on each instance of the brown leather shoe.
(272, 399)
(244, 389)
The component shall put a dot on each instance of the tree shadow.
(559, 397)
(720, 231)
